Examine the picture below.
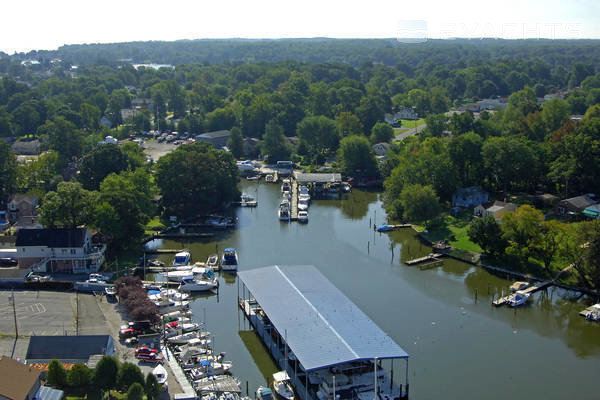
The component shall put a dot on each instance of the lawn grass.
(409, 123)
(454, 230)
(154, 223)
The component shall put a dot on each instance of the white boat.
(174, 294)
(186, 338)
(174, 306)
(264, 393)
(110, 291)
(161, 374)
(281, 384)
(303, 216)
(286, 186)
(208, 368)
(518, 299)
(213, 262)
(302, 205)
(229, 261)
(188, 361)
(245, 166)
(177, 314)
(248, 201)
(304, 197)
(197, 285)
(181, 259)
(284, 211)
(178, 276)
(269, 178)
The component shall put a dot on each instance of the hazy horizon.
(49, 25)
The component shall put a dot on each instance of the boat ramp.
(530, 290)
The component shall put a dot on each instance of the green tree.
(8, 172)
(381, 132)
(57, 375)
(69, 207)
(555, 113)
(236, 143)
(99, 163)
(128, 375)
(105, 373)
(465, 153)
(521, 229)
(319, 133)
(348, 124)
(582, 250)
(420, 203)
(487, 234)
(196, 179)
(152, 387)
(509, 162)
(135, 392)
(221, 118)
(356, 156)
(125, 205)
(63, 137)
(436, 125)
(79, 376)
(275, 146)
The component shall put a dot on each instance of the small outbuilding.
(68, 349)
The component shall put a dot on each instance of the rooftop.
(215, 134)
(16, 379)
(51, 237)
(317, 178)
(66, 347)
(321, 325)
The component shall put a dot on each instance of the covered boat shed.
(309, 325)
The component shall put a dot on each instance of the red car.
(145, 350)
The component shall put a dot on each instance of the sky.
(43, 24)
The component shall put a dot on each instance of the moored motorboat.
(181, 259)
(161, 374)
(195, 284)
(284, 211)
(518, 299)
(281, 384)
(178, 276)
(186, 338)
(229, 261)
(264, 393)
(110, 291)
(208, 368)
(303, 216)
(269, 178)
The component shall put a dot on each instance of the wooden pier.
(435, 257)
(218, 384)
(163, 251)
(294, 201)
(530, 290)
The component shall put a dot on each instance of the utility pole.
(15, 314)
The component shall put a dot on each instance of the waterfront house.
(64, 250)
(22, 206)
(17, 380)
(495, 209)
(575, 205)
(26, 148)
(68, 349)
(471, 196)
(217, 138)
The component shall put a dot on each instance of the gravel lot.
(157, 150)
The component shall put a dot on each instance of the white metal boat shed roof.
(323, 327)
(318, 177)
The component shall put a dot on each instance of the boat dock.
(163, 251)
(218, 384)
(178, 372)
(435, 257)
(530, 290)
(280, 307)
(294, 203)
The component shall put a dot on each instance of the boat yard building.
(326, 344)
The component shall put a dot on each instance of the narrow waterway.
(460, 346)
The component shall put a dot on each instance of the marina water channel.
(460, 346)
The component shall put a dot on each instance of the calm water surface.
(460, 346)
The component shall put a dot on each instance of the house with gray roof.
(217, 138)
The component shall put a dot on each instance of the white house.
(495, 209)
(58, 250)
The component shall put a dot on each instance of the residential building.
(575, 205)
(592, 211)
(471, 196)
(26, 148)
(401, 113)
(381, 149)
(127, 113)
(17, 380)
(141, 103)
(22, 206)
(68, 349)
(495, 209)
(492, 104)
(217, 138)
(63, 250)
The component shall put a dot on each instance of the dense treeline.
(349, 51)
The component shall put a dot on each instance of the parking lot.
(38, 313)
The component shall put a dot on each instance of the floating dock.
(163, 251)
(178, 372)
(530, 290)
(294, 204)
(436, 257)
(218, 384)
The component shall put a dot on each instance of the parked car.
(8, 262)
(145, 350)
(128, 333)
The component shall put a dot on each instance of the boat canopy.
(321, 326)
(281, 376)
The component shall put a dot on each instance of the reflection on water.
(460, 346)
